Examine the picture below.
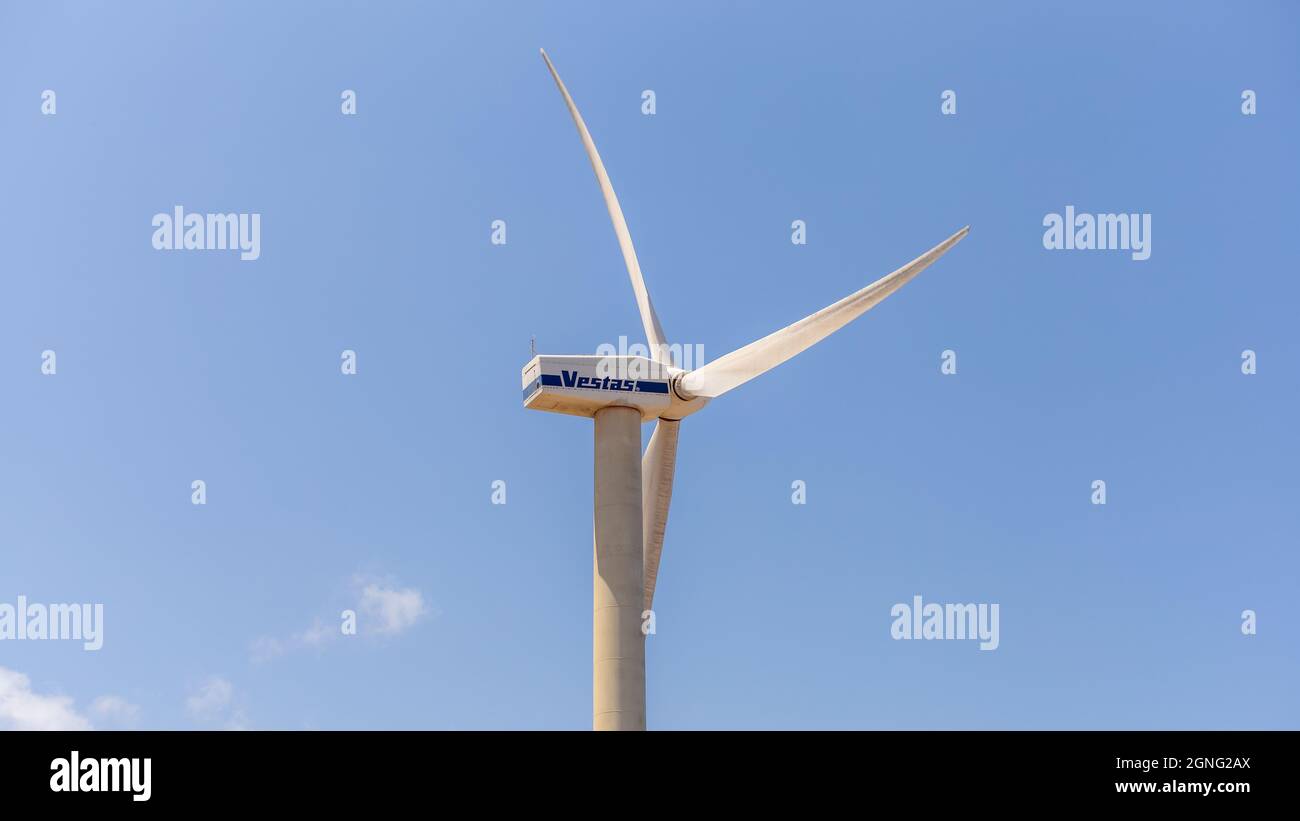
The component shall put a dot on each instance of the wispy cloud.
(212, 697)
(116, 711)
(316, 635)
(265, 648)
(382, 608)
(213, 703)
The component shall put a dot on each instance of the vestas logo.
(571, 379)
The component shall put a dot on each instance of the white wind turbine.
(631, 498)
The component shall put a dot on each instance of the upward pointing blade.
(740, 366)
(654, 333)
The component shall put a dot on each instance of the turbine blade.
(740, 366)
(654, 332)
(657, 468)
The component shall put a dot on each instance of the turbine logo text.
(570, 379)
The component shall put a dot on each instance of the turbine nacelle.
(582, 385)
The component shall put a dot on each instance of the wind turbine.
(633, 492)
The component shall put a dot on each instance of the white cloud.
(317, 634)
(395, 610)
(116, 710)
(237, 720)
(387, 608)
(266, 648)
(214, 703)
(22, 709)
(211, 700)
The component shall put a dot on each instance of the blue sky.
(975, 487)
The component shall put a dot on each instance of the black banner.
(140, 770)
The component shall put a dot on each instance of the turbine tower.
(632, 492)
